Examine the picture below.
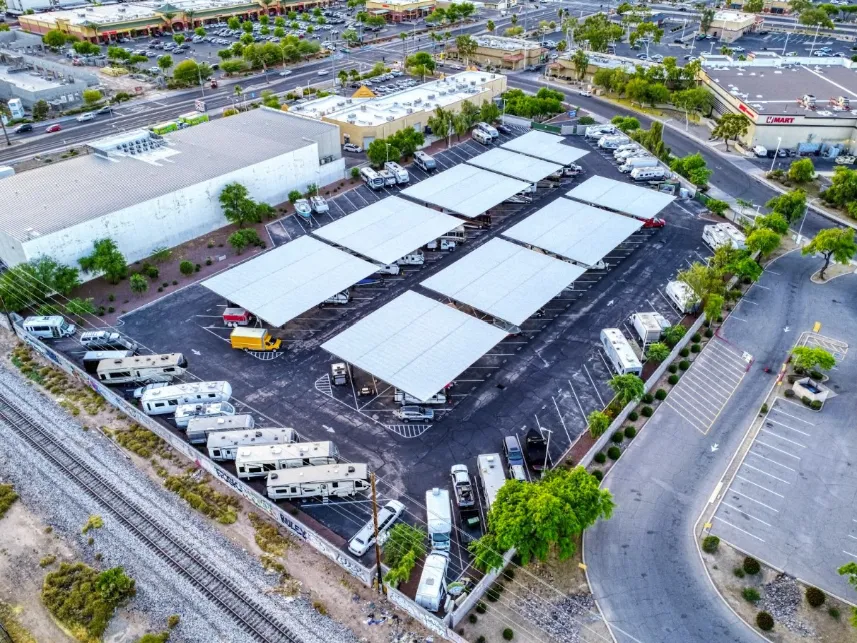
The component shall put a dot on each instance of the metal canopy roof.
(504, 280)
(466, 190)
(545, 146)
(388, 229)
(415, 343)
(574, 230)
(637, 201)
(518, 166)
(283, 283)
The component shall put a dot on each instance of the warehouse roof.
(634, 200)
(279, 285)
(576, 231)
(518, 166)
(466, 190)
(542, 145)
(505, 280)
(415, 343)
(388, 229)
(60, 195)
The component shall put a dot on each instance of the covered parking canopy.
(576, 231)
(283, 283)
(542, 145)
(388, 229)
(518, 166)
(415, 343)
(640, 202)
(505, 280)
(465, 190)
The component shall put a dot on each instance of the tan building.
(563, 67)
(770, 6)
(362, 120)
(728, 26)
(400, 10)
(505, 53)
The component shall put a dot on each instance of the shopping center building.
(504, 53)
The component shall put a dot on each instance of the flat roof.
(518, 166)
(415, 343)
(134, 11)
(574, 230)
(505, 280)
(281, 284)
(388, 229)
(542, 145)
(643, 203)
(506, 44)
(465, 190)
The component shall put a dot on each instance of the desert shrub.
(508, 634)
(617, 437)
(268, 537)
(481, 607)
(648, 398)
(186, 268)
(47, 560)
(173, 620)
(598, 474)
(479, 639)
(673, 379)
(600, 458)
(710, 544)
(739, 573)
(613, 453)
(815, 597)
(695, 348)
(684, 365)
(834, 612)
(647, 411)
(815, 405)
(806, 401)
(764, 408)
(630, 432)
(7, 498)
(201, 496)
(789, 393)
(151, 272)
(695, 338)
(632, 416)
(750, 594)
(473, 618)
(765, 621)
(751, 565)
(660, 394)
(94, 522)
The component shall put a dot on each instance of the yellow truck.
(254, 339)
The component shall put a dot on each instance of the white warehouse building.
(146, 191)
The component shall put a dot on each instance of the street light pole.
(812, 46)
(547, 448)
(786, 44)
(777, 151)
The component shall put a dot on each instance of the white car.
(285, 72)
(584, 92)
(351, 147)
(365, 538)
(323, 72)
(88, 116)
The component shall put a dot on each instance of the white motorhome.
(619, 352)
(413, 259)
(649, 174)
(438, 518)
(424, 161)
(389, 269)
(611, 142)
(186, 412)
(682, 297)
(432, 587)
(635, 162)
(333, 480)
(372, 178)
(627, 147)
(404, 398)
(389, 178)
(490, 130)
(224, 445)
(398, 171)
(49, 327)
(597, 131)
(722, 234)
(169, 398)
(257, 461)
(492, 475)
(141, 369)
(198, 429)
(649, 326)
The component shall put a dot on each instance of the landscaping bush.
(480, 639)
(481, 607)
(695, 338)
(672, 368)
(175, 282)
(613, 453)
(647, 411)
(816, 375)
(710, 544)
(617, 437)
(660, 394)
(684, 365)
(600, 458)
(473, 618)
(508, 634)
(750, 594)
(806, 401)
(632, 416)
(815, 405)
(764, 409)
(695, 348)
(789, 393)
(151, 272)
(709, 333)
(684, 352)
(751, 566)
(186, 268)
(598, 474)
(765, 621)
(197, 268)
(630, 432)
(209, 261)
(648, 398)
(739, 573)
(815, 597)
(509, 574)
(834, 612)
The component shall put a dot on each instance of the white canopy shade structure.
(505, 280)
(636, 201)
(465, 190)
(576, 231)
(518, 166)
(415, 343)
(283, 283)
(388, 229)
(542, 145)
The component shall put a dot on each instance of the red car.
(56, 127)
(654, 223)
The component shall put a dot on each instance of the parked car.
(365, 538)
(351, 147)
(584, 92)
(504, 129)
(56, 127)
(26, 127)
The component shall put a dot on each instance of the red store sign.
(782, 120)
(749, 112)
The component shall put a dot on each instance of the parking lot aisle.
(706, 387)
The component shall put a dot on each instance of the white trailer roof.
(574, 230)
(518, 166)
(388, 229)
(637, 201)
(465, 189)
(545, 146)
(283, 283)
(504, 280)
(415, 343)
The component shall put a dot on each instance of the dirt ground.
(825, 627)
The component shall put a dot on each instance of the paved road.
(644, 566)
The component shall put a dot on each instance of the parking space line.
(727, 361)
(758, 502)
(595, 388)
(691, 402)
(577, 399)
(791, 455)
(777, 435)
(755, 484)
(741, 511)
(765, 473)
(739, 529)
(556, 406)
(794, 417)
(773, 461)
(849, 553)
(700, 376)
(693, 423)
(788, 427)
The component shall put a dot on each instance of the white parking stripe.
(700, 374)
(726, 522)
(788, 427)
(685, 404)
(794, 417)
(753, 453)
(694, 423)
(758, 502)
(770, 446)
(765, 473)
(776, 435)
(717, 362)
(760, 486)
(746, 514)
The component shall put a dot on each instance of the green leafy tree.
(407, 141)
(773, 221)
(139, 284)
(627, 388)
(486, 553)
(55, 39)
(657, 352)
(703, 282)
(404, 547)
(440, 122)
(466, 46)
(597, 29)
(763, 240)
(233, 23)
(78, 307)
(547, 515)
(489, 112)
(753, 6)
(117, 54)
(791, 205)
(106, 259)
(421, 64)
(626, 123)
(237, 205)
(647, 32)
(843, 190)
(40, 110)
(490, 26)
(716, 206)
(705, 20)
(380, 150)
(816, 17)
(84, 48)
(179, 38)
(731, 126)
(166, 61)
(580, 61)
(243, 238)
(672, 334)
(812, 357)
(598, 422)
(833, 244)
(746, 268)
(850, 570)
(802, 171)
(189, 72)
(693, 168)
(270, 99)
(199, 31)
(512, 32)
(713, 308)
(54, 276)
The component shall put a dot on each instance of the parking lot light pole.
(547, 448)
(786, 43)
(375, 529)
(777, 151)
(812, 46)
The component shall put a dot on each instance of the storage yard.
(497, 335)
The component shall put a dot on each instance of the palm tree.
(514, 18)
(189, 14)
(403, 37)
(441, 124)
(460, 125)
(447, 36)
(490, 26)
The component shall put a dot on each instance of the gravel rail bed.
(160, 590)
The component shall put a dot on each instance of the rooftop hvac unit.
(340, 103)
(410, 111)
(348, 101)
(390, 118)
(121, 9)
(363, 108)
(81, 15)
(418, 101)
(351, 118)
(431, 97)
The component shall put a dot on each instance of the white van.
(432, 587)
(186, 412)
(481, 136)
(49, 327)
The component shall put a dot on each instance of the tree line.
(443, 122)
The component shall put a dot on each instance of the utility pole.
(377, 544)
(5, 132)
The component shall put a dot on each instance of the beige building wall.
(732, 26)
(514, 59)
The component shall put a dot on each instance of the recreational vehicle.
(186, 412)
(224, 445)
(619, 352)
(372, 178)
(92, 359)
(169, 398)
(424, 161)
(491, 475)
(721, 234)
(682, 297)
(141, 369)
(257, 461)
(432, 587)
(198, 429)
(649, 174)
(649, 326)
(398, 171)
(438, 518)
(332, 480)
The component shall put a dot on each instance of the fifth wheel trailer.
(619, 352)
(649, 326)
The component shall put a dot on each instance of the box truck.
(253, 339)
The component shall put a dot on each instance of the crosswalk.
(408, 430)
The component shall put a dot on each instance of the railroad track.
(246, 612)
